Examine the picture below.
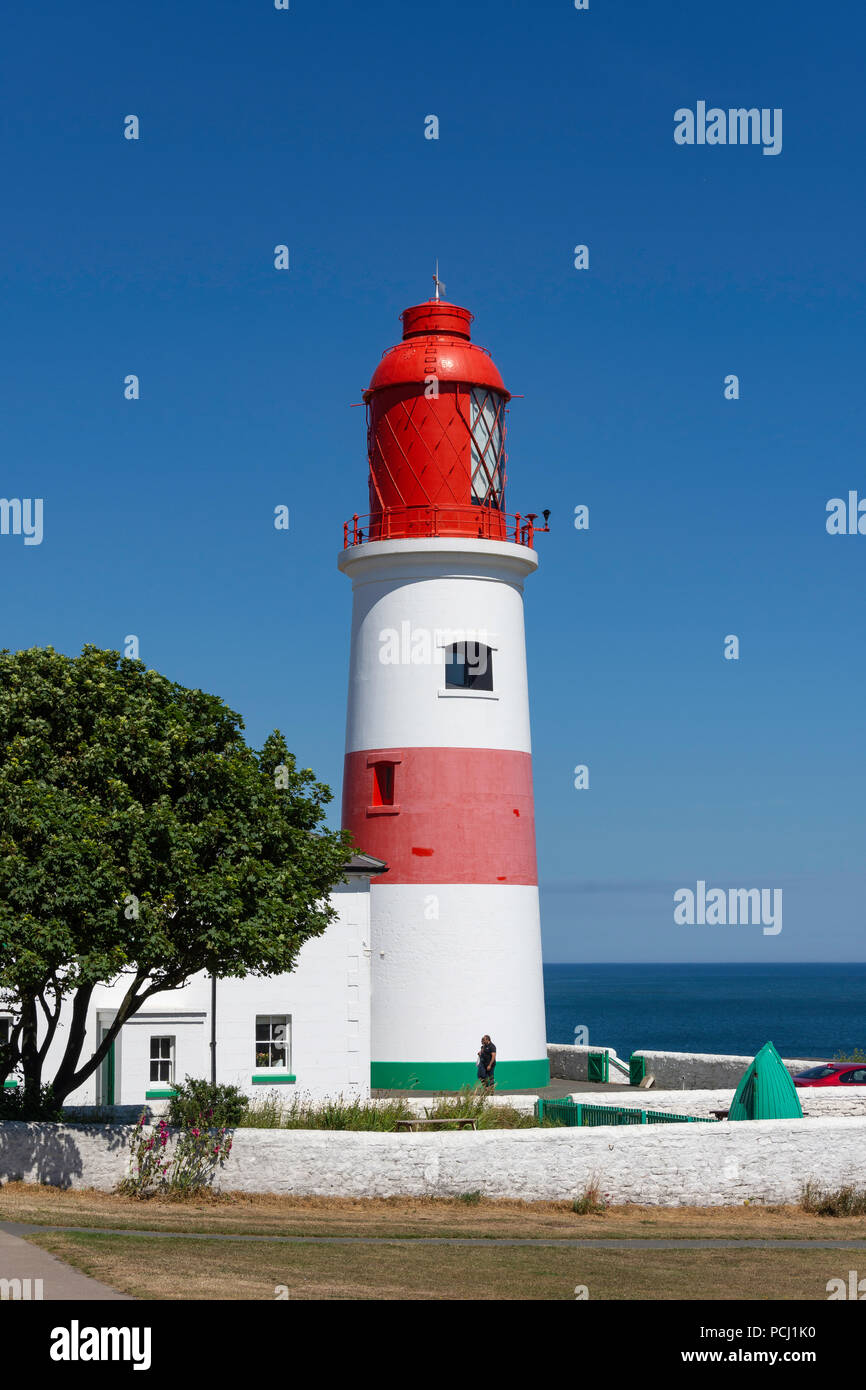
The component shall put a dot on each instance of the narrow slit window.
(383, 784)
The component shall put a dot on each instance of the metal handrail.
(430, 520)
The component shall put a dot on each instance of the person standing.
(486, 1062)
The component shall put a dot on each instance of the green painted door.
(105, 1088)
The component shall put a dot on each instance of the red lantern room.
(436, 436)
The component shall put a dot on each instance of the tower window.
(383, 784)
(468, 666)
(382, 768)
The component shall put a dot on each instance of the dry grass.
(302, 1112)
(834, 1201)
(191, 1269)
(266, 1214)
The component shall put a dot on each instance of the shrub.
(302, 1112)
(197, 1155)
(467, 1104)
(22, 1104)
(471, 1104)
(265, 1112)
(185, 1171)
(855, 1055)
(270, 1111)
(840, 1201)
(471, 1199)
(590, 1202)
(200, 1103)
(149, 1163)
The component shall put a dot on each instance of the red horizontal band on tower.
(460, 815)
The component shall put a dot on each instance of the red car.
(833, 1074)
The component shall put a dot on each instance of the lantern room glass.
(487, 427)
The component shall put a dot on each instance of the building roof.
(364, 864)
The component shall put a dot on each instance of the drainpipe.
(213, 1056)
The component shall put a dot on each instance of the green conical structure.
(766, 1090)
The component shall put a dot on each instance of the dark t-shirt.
(487, 1051)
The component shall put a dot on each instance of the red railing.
(479, 523)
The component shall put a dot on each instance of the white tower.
(438, 773)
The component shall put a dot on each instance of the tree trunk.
(64, 1080)
(67, 1078)
(31, 1061)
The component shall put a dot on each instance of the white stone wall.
(695, 1070)
(571, 1063)
(816, 1101)
(660, 1165)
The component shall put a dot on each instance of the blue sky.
(707, 516)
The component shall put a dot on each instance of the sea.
(805, 1010)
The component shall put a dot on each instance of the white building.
(307, 1031)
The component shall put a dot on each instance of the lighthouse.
(438, 769)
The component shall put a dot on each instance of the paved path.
(592, 1242)
(21, 1260)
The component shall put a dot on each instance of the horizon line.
(705, 962)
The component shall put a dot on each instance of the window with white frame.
(273, 1041)
(162, 1060)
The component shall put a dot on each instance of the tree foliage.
(140, 837)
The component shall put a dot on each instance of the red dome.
(436, 343)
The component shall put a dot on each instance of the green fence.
(597, 1067)
(664, 1117)
(636, 1070)
(579, 1114)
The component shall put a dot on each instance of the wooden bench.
(416, 1124)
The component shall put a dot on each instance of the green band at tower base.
(451, 1076)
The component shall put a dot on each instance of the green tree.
(142, 839)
